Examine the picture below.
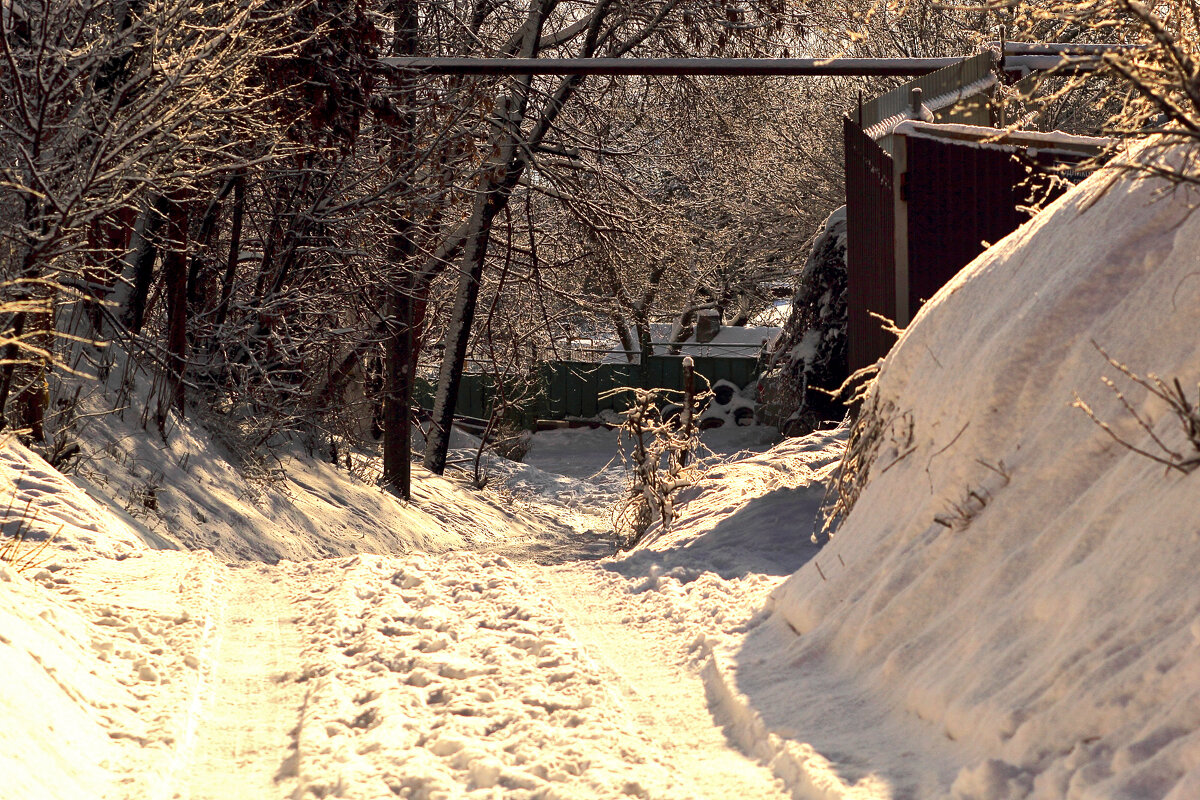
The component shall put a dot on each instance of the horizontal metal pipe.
(900, 67)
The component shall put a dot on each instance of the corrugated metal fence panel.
(738, 371)
(870, 246)
(617, 376)
(574, 389)
(553, 402)
(658, 373)
(589, 392)
(474, 396)
(578, 379)
(935, 85)
(960, 196)
(715, 371)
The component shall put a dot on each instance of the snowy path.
(667, 699)
(536, 674)
(459, 675)
(243, 743)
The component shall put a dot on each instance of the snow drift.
(1011, 575)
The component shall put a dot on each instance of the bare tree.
(101, 104)
(1155, 71)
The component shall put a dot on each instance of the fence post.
(689, 396)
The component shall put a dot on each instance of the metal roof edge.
(1053, 140)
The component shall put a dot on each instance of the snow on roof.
(1053, 141)
(732, 342)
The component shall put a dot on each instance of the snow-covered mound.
(741, 516)
(1012, 576)
(110, 639)
(189, 491)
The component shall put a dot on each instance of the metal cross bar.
(900, 67)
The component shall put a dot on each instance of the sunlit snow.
(1009, 611)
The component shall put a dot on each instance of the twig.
(997, 468)
(1176, 399)
(949, 444)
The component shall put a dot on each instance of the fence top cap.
(1056, 48)
(1054, 140)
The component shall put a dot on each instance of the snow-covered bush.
(811, 354)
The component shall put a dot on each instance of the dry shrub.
(880, 428)
(658, 449)
(17, 548)
(1173, 394)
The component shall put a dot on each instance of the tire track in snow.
(668, 700)
(244, 740)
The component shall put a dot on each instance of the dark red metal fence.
(870, 246)
(960, 196)
(956, 198)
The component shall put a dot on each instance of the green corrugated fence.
(577, 389)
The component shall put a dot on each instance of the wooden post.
(689, 400)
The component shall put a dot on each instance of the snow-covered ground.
(1009, 611)
(141, 671)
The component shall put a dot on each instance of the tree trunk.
(458, 332)
(33, 395)
(108, 241)
(204, 234)
(143, 252)
(627, 343)
(235, 245)
(14, 327)
(175, 271)
(645, 350)
(499, 178)
(401, 347)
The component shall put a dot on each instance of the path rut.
(666, 697)
(244, 743)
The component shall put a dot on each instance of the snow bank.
(57, 749)
(90, 641)
(741, 517)
(1012, 582)
(191, 491)
(45, 506)
(109, 644)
